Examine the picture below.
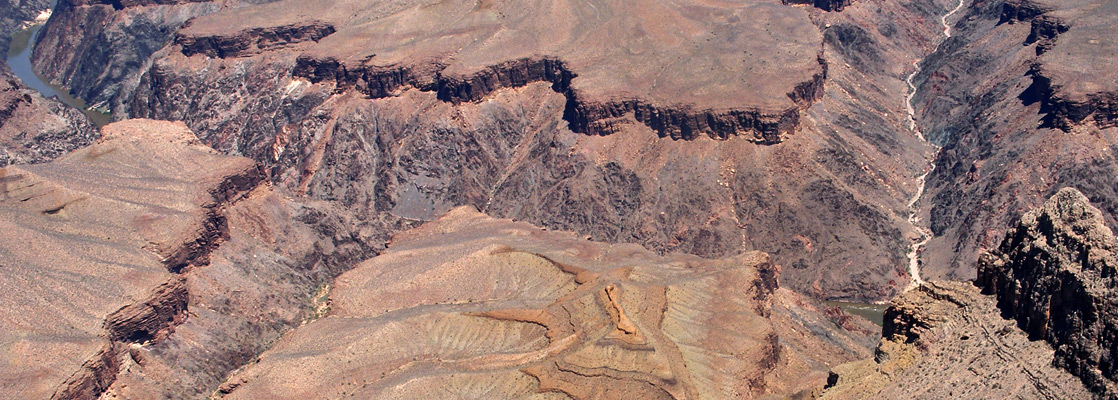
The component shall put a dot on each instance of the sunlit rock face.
(470, 306)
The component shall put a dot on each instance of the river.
(19, 59)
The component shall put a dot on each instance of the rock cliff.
(509, 310)
(149, 266)
(945, 340)
(1037, 323)
(1055, 274)
(32, 128)
(1021, 111)
(397, 138)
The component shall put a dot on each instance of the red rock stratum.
(721, 69)
(470, 306)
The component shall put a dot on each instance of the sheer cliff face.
(508, 310)
(786, 157)
(1022, 101)
(149, 266)
(1038, 322)
(32, 128)
(1055, 274)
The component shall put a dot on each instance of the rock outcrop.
(394, 147)
(825, 5)
(471, 306)
(1055, 275)
(149, 266)
(32, 128)
(681, 81)
(1022, 107)
(1037, 323)
(945, 340)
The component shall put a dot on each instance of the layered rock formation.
(692, 71)
(149, 266)
(408, 140)
(1055, 274)
(33, 128)
(1022, 105)
(1052, 278)
(945, 340)
(469, 306)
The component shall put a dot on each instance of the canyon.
(568, 199)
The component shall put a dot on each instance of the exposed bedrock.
(825, 5)
(947, 340)
(35, 129)
(254, 40)
(32, 128)
(1055, 274)
(1066, 113)
(1016, 126)
(582, 117)
(15, 15)
(510, 310)
(208, 266)
(156, 316)
(96, 50)
(389, 143)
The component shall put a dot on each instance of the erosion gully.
(925, 234)
(19, 58)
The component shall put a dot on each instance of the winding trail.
(919, 243)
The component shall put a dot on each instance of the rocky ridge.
(510, 310)
(1054, 273)
(516, 145)
(151, 251)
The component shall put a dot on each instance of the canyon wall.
(149, 266)
(33, 128)
(1022, 104)
(1037, 323)
(1055, 275)
(822, 194)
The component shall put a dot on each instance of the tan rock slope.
(1038, 323)
(684, 69)
(148, 266)
(469, 306)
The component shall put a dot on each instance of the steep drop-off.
(1055, 274)
(149, 266)
(508, 310)
(1021, 100)
(384, 139)
(1038, 322)
(33, 128)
